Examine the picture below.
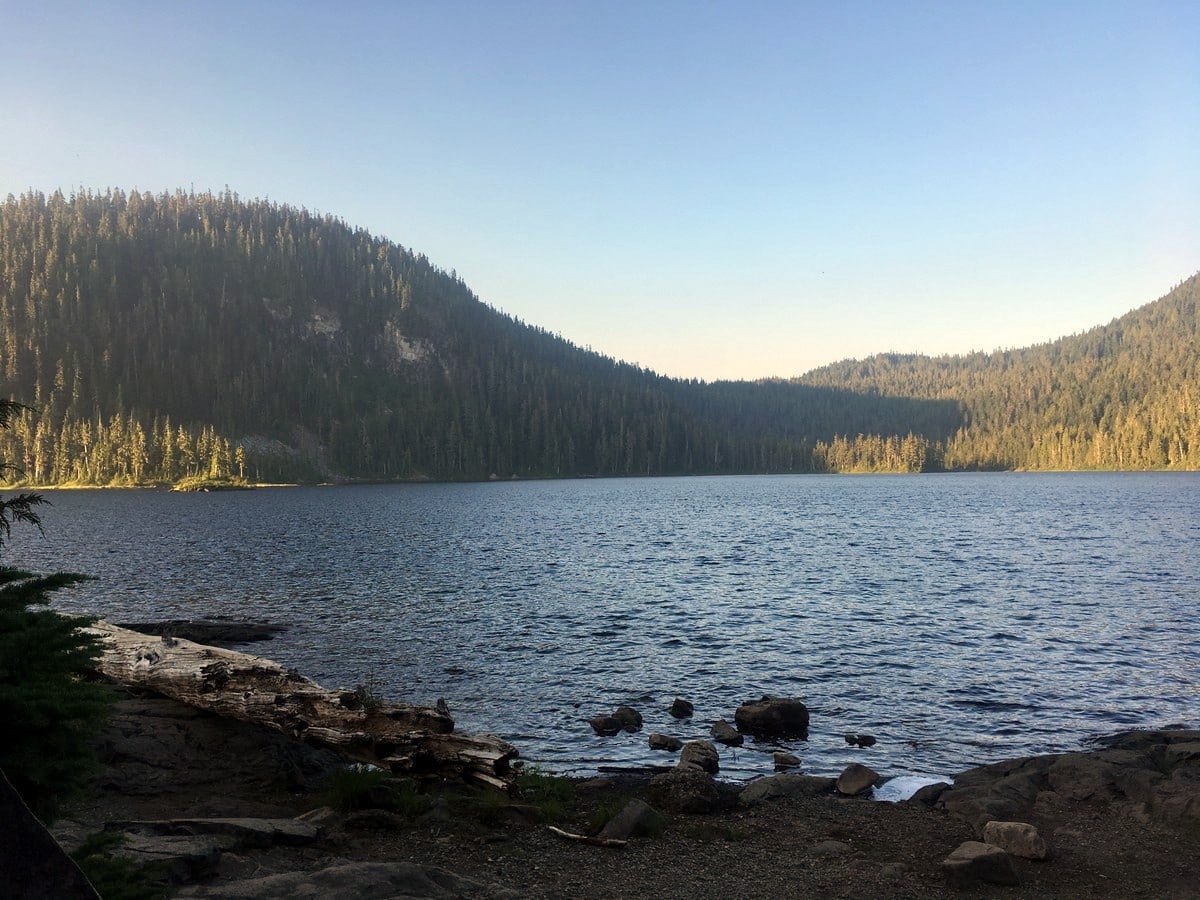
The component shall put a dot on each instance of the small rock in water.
(605, 726)
(724, 733)
(856, 779)
(786, 760)
(664, 742)
(630, 718)
(681, 709)
(773, 717)
(860, 740)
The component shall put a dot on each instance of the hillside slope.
(1125, 395)
(161, 335)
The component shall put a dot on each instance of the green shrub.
(350, 789)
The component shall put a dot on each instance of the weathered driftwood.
(252, 689)
(586, 839)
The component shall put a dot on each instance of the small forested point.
(51, 708)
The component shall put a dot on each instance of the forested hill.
(157, 336)
(1121, 396)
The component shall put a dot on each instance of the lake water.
(960, 619)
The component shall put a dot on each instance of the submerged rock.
(605, 726)
(665, 742)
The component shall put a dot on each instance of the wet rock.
(776, 787)
(929, 795)
(1018, 838)
(785, 760)
(973, 862)
(724, 733)
(860, 740)
(686, 789)
(605, 726)
(630, 718)
(681, 709)
(638, 818)
(701, 755)
(856, 779)
(665, 742)
(773, 717)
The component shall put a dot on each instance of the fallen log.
(252, 689)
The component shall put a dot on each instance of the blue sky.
(712, 190)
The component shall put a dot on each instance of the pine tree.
(50, 709)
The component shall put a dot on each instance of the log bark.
(252, 689)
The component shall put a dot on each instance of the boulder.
(681, 709)
(665, 742)
(785, 760)
(630, 718)
(724, 733)
(605, 726)
(686, 789)
(975, 862)
(1151, 774)
(183, 857)
(773, 717)
(638, 818)
(856, 779)
(1018, 838)
(775, 787)
(929, 795)
(701, 755)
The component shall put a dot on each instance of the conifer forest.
(156, 337)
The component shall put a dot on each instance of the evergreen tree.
(50, 708)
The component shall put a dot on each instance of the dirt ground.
(164, 760)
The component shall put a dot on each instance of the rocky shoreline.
(230, 810)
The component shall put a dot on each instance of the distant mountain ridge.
(158, 336)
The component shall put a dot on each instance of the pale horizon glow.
(714, 191)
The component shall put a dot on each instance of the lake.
(960, 619)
